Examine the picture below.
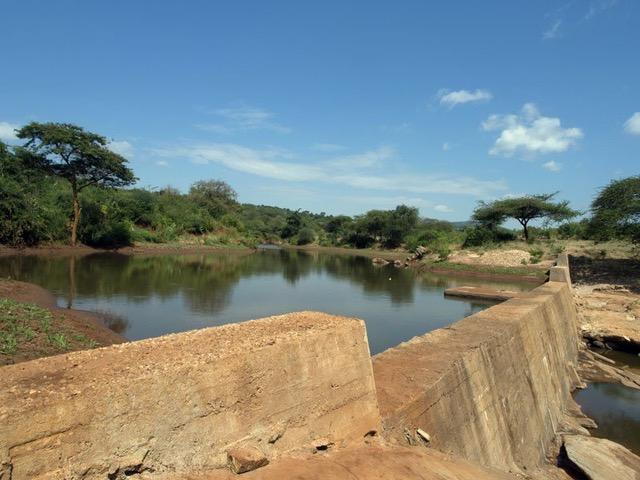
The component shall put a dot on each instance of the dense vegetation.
(64, 183)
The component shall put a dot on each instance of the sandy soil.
(87, 324)
(607, 294)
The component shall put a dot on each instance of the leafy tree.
(616, 210)
(524, 210)
(400, 222)
(216, 196)
(292, 225)
(80, 157)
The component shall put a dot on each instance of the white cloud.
(121, 147)
(7, 133)
(446, 146)
(459, 97)
(362, 171)
(371, 158)
(162, 163)
(443, 209)
(599, 6)
(530, 133)
(328, 147)
(552, 166)
(553, 31)
(632, 125)
(241, 119)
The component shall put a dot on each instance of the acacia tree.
(616, 210)
(523, 209)
(80, 157)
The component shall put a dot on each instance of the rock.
(241, 460)
(379, 261)
(598, 344)
(322, 444)
(398, 263)
(601, 459)
(423, 435)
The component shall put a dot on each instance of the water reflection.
(152, 295)
(616, 410)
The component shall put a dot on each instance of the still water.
(147, 296)
(616, 410)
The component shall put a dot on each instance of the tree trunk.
(526, 232)
(76, 216)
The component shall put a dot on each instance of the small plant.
(58, 340)
(536, 255)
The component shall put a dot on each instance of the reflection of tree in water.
(206, 281)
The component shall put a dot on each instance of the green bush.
(305, 236)
(536, 255)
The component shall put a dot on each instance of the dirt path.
(32, 326)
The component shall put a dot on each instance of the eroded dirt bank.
(47, 330)
(607, 295)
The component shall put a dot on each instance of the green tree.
(524, 210)
(399, 223)
(616, 210)
(293, 224)
(80, 157)
(216, 196)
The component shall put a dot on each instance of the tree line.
(64, 184)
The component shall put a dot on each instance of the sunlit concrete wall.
(179, 402)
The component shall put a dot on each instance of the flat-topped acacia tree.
(81, 157)
(523, 209)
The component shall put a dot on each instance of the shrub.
(536, 255)
(306, 236)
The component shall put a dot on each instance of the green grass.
(24, 326)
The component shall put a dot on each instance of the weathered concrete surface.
(362, 463)
(481, 293)
(601, 459)
(491, 388)
(180, 402)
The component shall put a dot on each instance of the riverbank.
(607, 295)
(32, 326)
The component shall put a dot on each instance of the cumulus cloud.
(632, 125)
(241, 119)
(530, 133)
(459, 97)
(442, 209)
(552, 166)
(121, 147)
(7, 132)
(363, 171)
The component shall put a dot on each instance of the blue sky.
(340, 106)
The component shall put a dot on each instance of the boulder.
(379, 261)
(241, 460)
(601, 459)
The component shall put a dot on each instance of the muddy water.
(615, 408)
(147, 296)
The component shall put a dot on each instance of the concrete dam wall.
(180, 402)
(491, 388)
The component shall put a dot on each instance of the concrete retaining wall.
(491, 388)
(179, 402)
